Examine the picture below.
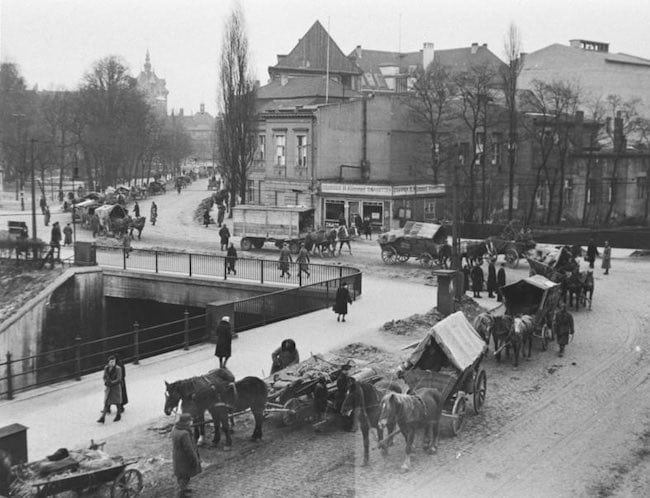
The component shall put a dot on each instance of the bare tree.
(643, 129)
(510, 75)
(429, 105)
(236, 121)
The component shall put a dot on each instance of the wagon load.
(110, 216)
(423, 241)
(448, 358)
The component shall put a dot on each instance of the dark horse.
(185, 390)
(321, 241)
(410, 411)
(502, 331)
(137, 224)
(365, 397)
(249, 392)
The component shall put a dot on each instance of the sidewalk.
(64, 415)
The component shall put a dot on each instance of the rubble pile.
(19, 284)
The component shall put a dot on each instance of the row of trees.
(105, 132)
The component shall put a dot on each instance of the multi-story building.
(154, 88)
(200, 126)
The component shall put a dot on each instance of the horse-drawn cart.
(81, 471)
(512, 250)
(538, 297)
(449, 358)
(294, 392)
(423, 241)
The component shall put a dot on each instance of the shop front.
(386, 206)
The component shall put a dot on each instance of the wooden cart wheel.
(258, 244)
(290, 417)
(127, 484)
(402, 258)
(426, 260)
(389, 255)
(480, 390)
(458, 413)
(512, 257)
(246, 244)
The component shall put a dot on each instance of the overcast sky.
(56, 41)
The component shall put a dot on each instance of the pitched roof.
(310, 54)
(304, 86)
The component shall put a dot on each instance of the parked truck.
(257, 225)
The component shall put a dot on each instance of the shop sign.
(387, 190)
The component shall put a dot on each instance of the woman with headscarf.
(284, 356)
(224, 341)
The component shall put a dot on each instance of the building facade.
(154, 88)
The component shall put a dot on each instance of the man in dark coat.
(55, 239)
(136, 209)
(341, 302)
(501, 281)
(466, 272)
(67, 233)
(303, 260)
(477, 280)
(112, 389)
(231, 259)
(592, 250)
(492, 279)
(185, 454)
(224, 233)
(563, 327)
(221, 212)
(206, 218)
(224, 341)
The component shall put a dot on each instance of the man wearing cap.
(185, 454)
(224, 341)
(563, 327)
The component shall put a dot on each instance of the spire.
(147, 63)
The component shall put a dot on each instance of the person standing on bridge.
(223, 349)
(607, 258)
(112, 389)
(185, 453)
(303, 260)
(224, 233)
(285, 260)
(231, 259)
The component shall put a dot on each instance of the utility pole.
(31, 144)
(455, 253)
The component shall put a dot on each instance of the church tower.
(154, 88)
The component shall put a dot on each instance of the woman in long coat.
(341, 302)
(185, 454)
(224, 341)
(607, 257)
(112, 389)
(477, 280)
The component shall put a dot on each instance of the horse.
(502, 333)
(574, 286)
(524, 326)
(364, 397)
(249, 392)
(137, 224)
(120, 226)
(321, 241)
(184, 391)
(483, 325)
(473, 252)
(410, 411)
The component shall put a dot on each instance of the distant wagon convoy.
(257, 225)
(426, 242)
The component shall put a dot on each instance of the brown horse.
(410, 411)
(365, 398)
(322, 242)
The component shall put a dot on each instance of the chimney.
(358, 52)
(484, 45)
(202, 108)
(474, 48)
(427, 55)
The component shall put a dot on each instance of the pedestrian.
(224, 341)
(43, 204)
(607, 257)
(478, 278)
(303, 260)
(112, 389)
(592, 250)
(466, 272)
(125, 396)
(179, 186)
(286, 355)
(67, 235)
(492, 278)
(285, 260)
(231, 259)
(136, 209)
(153, 213)
(563, 325)
(367, 228)
(342, 218)
(185, 454)
(224, 233)
(94, 224)
(344, 238)
(221, 211)
(501, 281)
(341, 302)
(55, 239)
(358, 224)
(46, 216)
(206, 218)
(126, 244)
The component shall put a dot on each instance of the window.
(641, 187)
(430, 210)
(591, 192)
(250, 191)
(280, 150)
(540, 196)
(568, 191)
(261, 147)
(301, 141)
(480, 147)
(496, 149)
(611, 190)
(463, 153)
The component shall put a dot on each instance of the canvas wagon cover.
(457, 338)
(528, 294)
(107, 212)
(416, 230)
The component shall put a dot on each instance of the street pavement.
(65, 414)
